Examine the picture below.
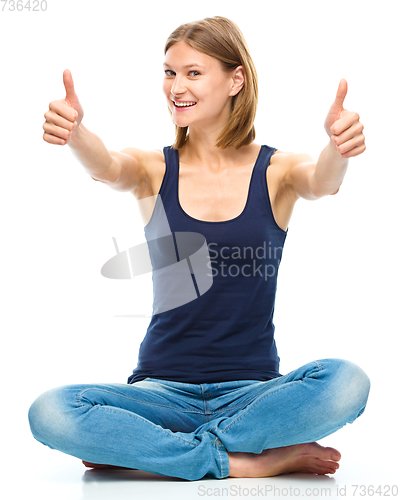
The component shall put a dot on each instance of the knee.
(356, 381)
(47, 416)
(350, 387)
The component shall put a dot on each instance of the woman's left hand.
(344, 127)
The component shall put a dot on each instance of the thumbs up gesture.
(64, 115)
(344, 127)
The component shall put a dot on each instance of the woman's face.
(198, 81)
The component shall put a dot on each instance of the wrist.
(77, 136)
(333, 146)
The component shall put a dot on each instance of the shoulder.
(284, 167)
(144, 157)
(287, 162)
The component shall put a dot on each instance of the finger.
(337, 107)
(57, 131)
(344, 130)
(69, 86)
(340, 95)
(54, 118)
(52, 139)
(345, 146)
(59, 108)
(355, 151)
(343, 121)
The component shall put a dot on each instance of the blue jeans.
(185, 430)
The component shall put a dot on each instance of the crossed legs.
(261, 429)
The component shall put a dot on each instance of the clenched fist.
(64, 115)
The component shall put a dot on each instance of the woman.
(207, 398)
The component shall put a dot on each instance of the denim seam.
(257, 401)
(268, 394)
(204, 400)
(201, 412)
(133, 415)
(240, 406)
(208, 394)
(315, 373)
(134, 399)
(218, 442)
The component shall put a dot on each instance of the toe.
(324, 466)
(335, 455)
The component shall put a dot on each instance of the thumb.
(337, 106)
(70, 96)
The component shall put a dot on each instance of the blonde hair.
(221, 38)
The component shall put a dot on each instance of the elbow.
(98, 180)
(320, 191)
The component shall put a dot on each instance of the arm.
(122, 171)
(329, 171)
(94, 156)
(312, 180)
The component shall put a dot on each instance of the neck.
(200, 145)
(200, 148)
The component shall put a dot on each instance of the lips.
(184, 104)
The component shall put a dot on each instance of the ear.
(237, 81)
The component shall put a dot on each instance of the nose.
(178, 88)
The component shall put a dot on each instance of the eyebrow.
(187, 65)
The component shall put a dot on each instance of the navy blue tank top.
(214, 287)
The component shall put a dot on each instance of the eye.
(167, 71)
(195, 72)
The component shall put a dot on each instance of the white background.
(338, 282)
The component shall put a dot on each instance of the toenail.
(336, 457)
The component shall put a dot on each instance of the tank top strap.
(170, 180)
(258, 190)
(262, 163)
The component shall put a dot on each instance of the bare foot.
(307, 457)
(104, 466)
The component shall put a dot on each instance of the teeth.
(183, 104)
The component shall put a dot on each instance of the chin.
(182, 123)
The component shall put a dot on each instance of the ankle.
(239, 464)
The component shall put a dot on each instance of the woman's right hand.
(64, 115)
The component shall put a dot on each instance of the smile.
(186, 104)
